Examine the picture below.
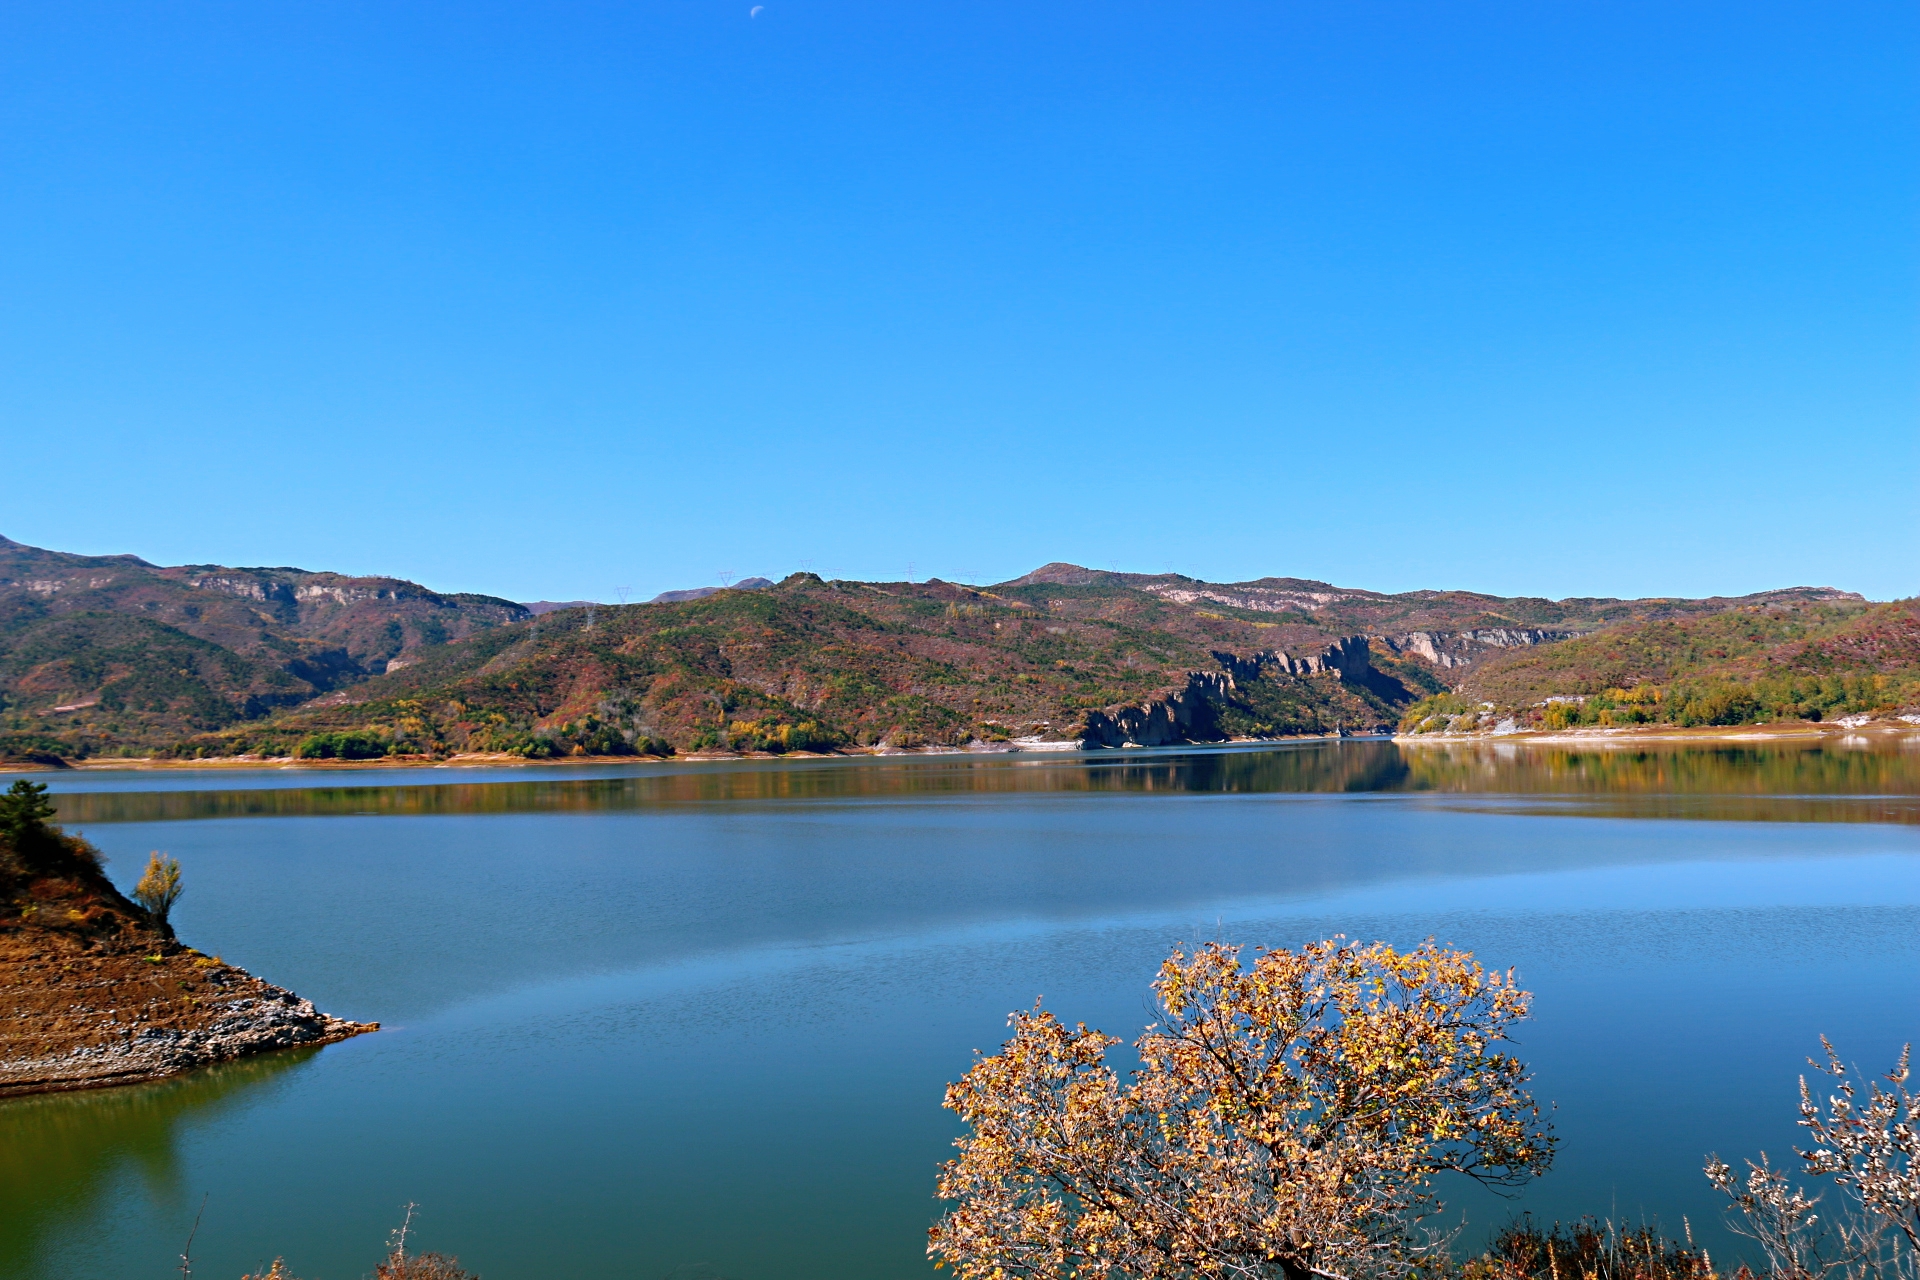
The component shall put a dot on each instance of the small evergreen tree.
(26, 829)
(24, 814)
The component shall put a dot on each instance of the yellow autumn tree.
(159, 889)
(1286, 1120)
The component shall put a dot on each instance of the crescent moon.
(755, 11)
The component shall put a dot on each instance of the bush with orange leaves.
(1286, 1121)
(417, 1266)
(399, 1264)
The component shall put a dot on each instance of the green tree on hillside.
(26, 822)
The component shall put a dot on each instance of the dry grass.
(1590, 1249)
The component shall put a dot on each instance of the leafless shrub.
(1794, 1239)
(1872, 1150)
(1868, 1149)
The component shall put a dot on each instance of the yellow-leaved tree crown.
(1287, 1119)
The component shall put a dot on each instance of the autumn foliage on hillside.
(100, 654)
(1800, 662)
(111, 655)
(813, 665)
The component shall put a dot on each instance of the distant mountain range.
(537, 607)
(701, 593)
(115, 655)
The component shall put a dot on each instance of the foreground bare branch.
(1868, 1148)
(1871, 1148)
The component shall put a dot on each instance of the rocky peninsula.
(95, 991)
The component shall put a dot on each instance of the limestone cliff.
(1448, 649)
(1185, 714)
(1344, 659)
(1209, 703)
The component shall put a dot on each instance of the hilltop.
(1353, 609)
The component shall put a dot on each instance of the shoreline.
(1883, 731)
(1628, 735)
(147, 1064)
(484, 759)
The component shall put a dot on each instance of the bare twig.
(186, 1254)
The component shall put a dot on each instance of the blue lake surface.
(694, 1020)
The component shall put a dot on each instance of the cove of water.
(694, 1020)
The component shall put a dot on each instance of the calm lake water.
(695, 1020)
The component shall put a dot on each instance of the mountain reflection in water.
(1822, 782)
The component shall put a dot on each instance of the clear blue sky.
(1561, 297)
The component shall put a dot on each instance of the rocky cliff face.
(270, 614)
(1284, 595)
(1345, 659)
(1192, 712)
(1186, 714)
(1448, 649)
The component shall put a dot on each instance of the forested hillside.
(808, 664)
(113, 655)
(1753, 665)
(1062, 654)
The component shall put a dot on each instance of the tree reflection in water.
(1824, 781)
(64, 1155)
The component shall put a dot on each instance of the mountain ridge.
(113, 654)
(1064, 655)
